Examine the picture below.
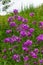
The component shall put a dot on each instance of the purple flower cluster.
(23, 39)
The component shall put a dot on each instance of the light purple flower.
(4, 57)
(31, 30)
(41, 61)
(25, 48)
(8, 31)
(24, 20)
(26, 58)
(36, 50)
(32, 14)
(16, 57)
(29, 34)
(19, 18)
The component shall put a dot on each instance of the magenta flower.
(41, 25)
(6, 40)
(25, 26)
(41, 61)
(10, 19)
(40, 37)
(31, 30)
(26, 58)
(33, 54)
(29, 34)
(15, 11)
(16, 57)
(19, 18)
(24, 20)
(28, 43)
(32, 14)
(23, 33)
(36, 50)
(12, 24)
(25, 48)
(8, 31)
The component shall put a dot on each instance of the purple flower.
(19, 18)
(8, 31)
(25, 48)
(12, 24)
(16, 57)
(32, 14)
(6, 40)
(23, 33)
(41, 25)
(31, 30)
(4, 57)
(25, 26)
(41, 61)
(15, 17)
(36, 50)
(24, 20)
(29, 34)
(33, 54)
(4, 50)
(34, 22)
(28, 43)
(35, 63)
(40, 37)
(26, 58)
(15, 11)
(10, 19)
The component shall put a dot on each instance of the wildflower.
(8, 31)
(25, 26)
(40, 37)
(16, 57)
(23, 33)
(34, 22)
(10, 19)
(28, 43)
(19, 18)
(33, 54)
(25, 48)
(29, 34)
(31, 30)
(36, 50)
(4, 57)
(32, 14)
(12, 24)
(41, 61)
(26, 58)
(6, 40)
(41, 25)
(24, 20)
(15, 11)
